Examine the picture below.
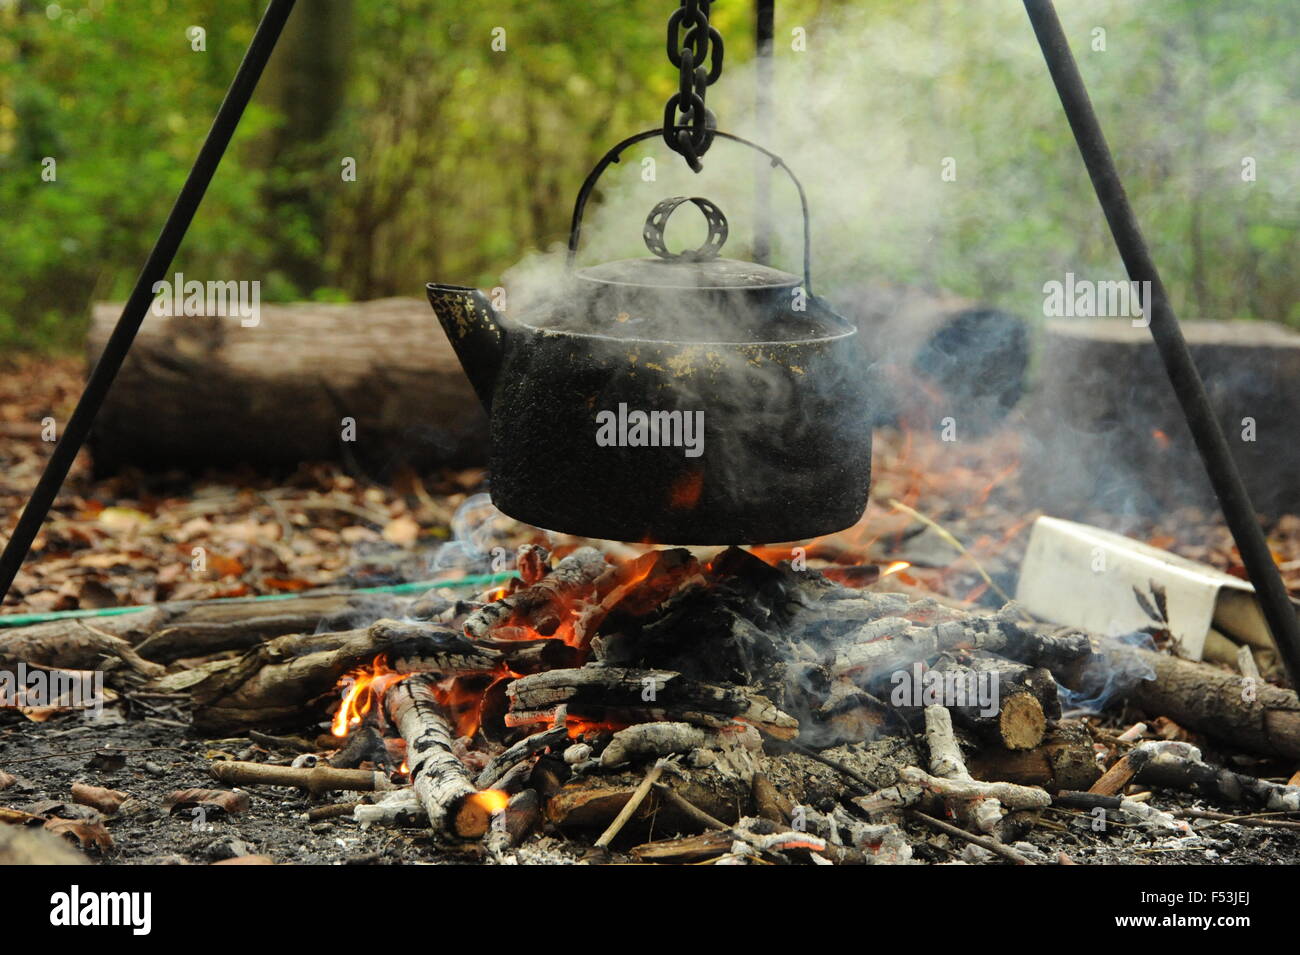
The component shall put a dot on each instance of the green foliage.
(468, 157)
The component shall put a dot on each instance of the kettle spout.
(476, 331)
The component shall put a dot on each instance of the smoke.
(935, 154)
(1109, 675)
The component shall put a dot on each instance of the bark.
(441, 780)
(1260, 718)
(542, 606)
(597, 692)
(199, 391)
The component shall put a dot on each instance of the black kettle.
(683, 398)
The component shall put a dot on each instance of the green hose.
(418, 586)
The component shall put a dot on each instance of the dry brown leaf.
(107, 801)
(16, 817)
(87, 834)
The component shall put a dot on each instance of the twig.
(317, 780)
(997, 848)
(947, 536)
(634, 803)
(689, 809)
(1253, 819)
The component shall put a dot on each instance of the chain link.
(692, 42)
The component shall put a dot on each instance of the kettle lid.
(698, 269)
(713, 274)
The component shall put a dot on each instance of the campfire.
(620, 699)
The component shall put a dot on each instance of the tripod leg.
(137, 306)
(1183, 376)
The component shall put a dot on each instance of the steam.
(935, 155)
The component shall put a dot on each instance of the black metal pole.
(765, 41)
(1210, 440)
(155, 268)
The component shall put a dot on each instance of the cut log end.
(1022, 723)
(473, 817)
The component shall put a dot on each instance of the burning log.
(453, 803)
(890, 644)
(271, 684)
(645, 695)
(541, 607)
(526, 748)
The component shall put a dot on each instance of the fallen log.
(1257, 717)
(201, 390)
(171, 631)
(1076, 416)
(451, 800)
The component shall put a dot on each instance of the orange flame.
(895, 567)
(492, 800)
(363, 688)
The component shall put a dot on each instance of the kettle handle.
(616, 154)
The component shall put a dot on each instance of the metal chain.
(688, 123)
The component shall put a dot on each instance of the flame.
(895, 567)
(1161, 439)
(363, 688)
(492, 800)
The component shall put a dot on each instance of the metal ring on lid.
(658, 220)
